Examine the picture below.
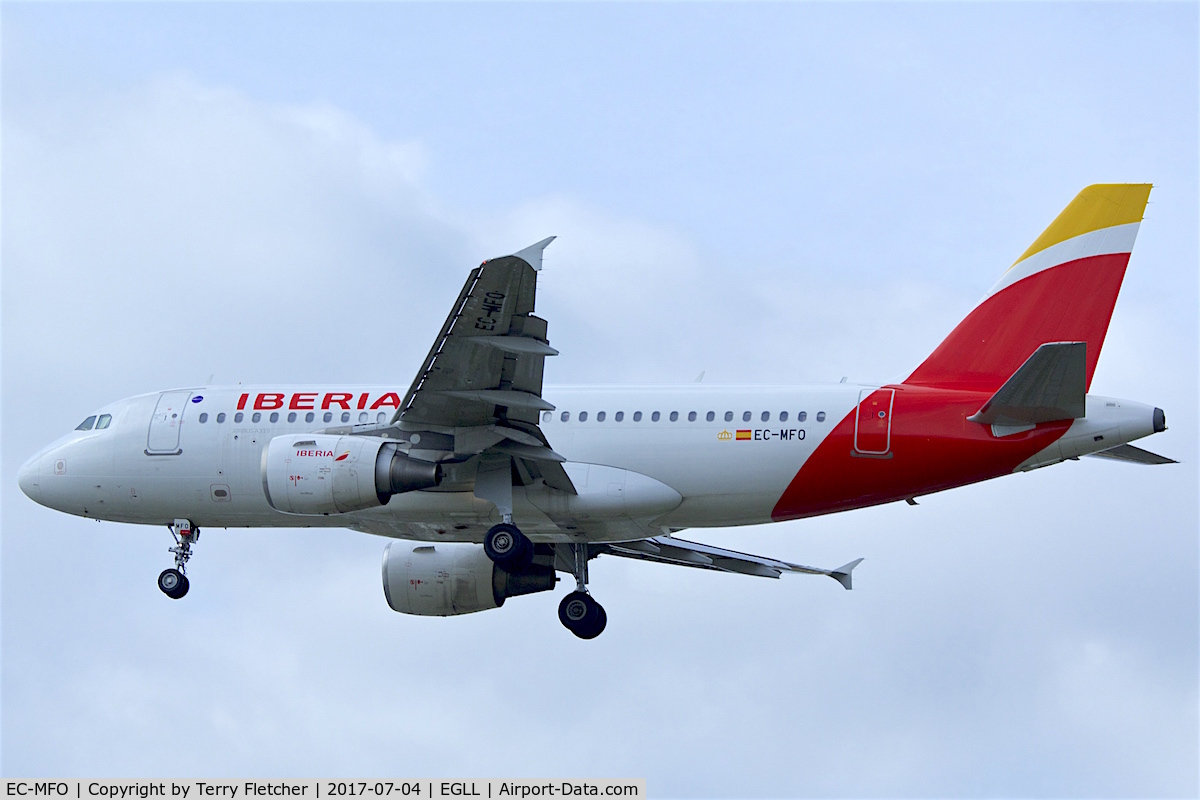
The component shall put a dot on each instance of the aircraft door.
(163, 438)
(873, 425)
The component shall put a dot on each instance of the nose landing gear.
(578, 611)
(174, 582)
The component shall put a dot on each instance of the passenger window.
(803, 415)
(345, 416)
(220, 418)
(583, 416)
(87, 424)
(783, 416)
(766, 416)
(103, 422)
(565, 416)
(362, 417)
(691, 416)
(238, 417)
(674, 416)
(256, 417)
(327, 417)
(599, 416)
(309, 417)
(274, 416)
(203, 418)
(620, 415)
(292, 417)
(746, 416)
(637, 416)
(655, 417)
(546, 417)
(381, 416)
(729, 416)
(820, 416)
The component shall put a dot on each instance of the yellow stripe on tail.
(1101, 205)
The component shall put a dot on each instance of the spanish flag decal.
(743, 435)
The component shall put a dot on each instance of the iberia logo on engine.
(317, 453)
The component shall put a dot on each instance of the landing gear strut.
(174, 582)
(578, 612)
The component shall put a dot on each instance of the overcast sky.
(769, 193)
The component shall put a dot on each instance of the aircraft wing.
(480, 388)
(485, 367)
(669, 550)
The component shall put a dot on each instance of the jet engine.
(453, 578)
(323, 474)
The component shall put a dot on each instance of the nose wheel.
(173, 581)
(579, 612)
(174, 584)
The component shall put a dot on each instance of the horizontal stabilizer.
(1051, 385)
(1127, 452)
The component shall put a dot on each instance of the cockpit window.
(87, 424)
(103, 422)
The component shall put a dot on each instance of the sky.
(768, 193)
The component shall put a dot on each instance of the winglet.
(842, 573)
(532, 255)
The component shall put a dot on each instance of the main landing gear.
(578, 612)
(508, 547)
(174, 582)
(513, 551)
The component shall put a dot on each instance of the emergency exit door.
(873, 424)
(163, 439)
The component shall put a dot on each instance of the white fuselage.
(644, 459)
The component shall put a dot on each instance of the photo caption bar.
(418, 789)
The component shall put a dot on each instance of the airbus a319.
(490, 484)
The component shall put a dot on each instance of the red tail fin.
(1062, 289)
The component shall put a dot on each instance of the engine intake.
(321, 474)
(453, 578)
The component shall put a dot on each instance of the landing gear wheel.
(582, 615)
(508, 547)
(174, 584)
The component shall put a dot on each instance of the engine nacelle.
(453, 578)
(323, 474)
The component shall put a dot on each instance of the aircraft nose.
(27, 479)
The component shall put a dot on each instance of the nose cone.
(27, 479)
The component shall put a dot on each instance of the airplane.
(497, 485)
